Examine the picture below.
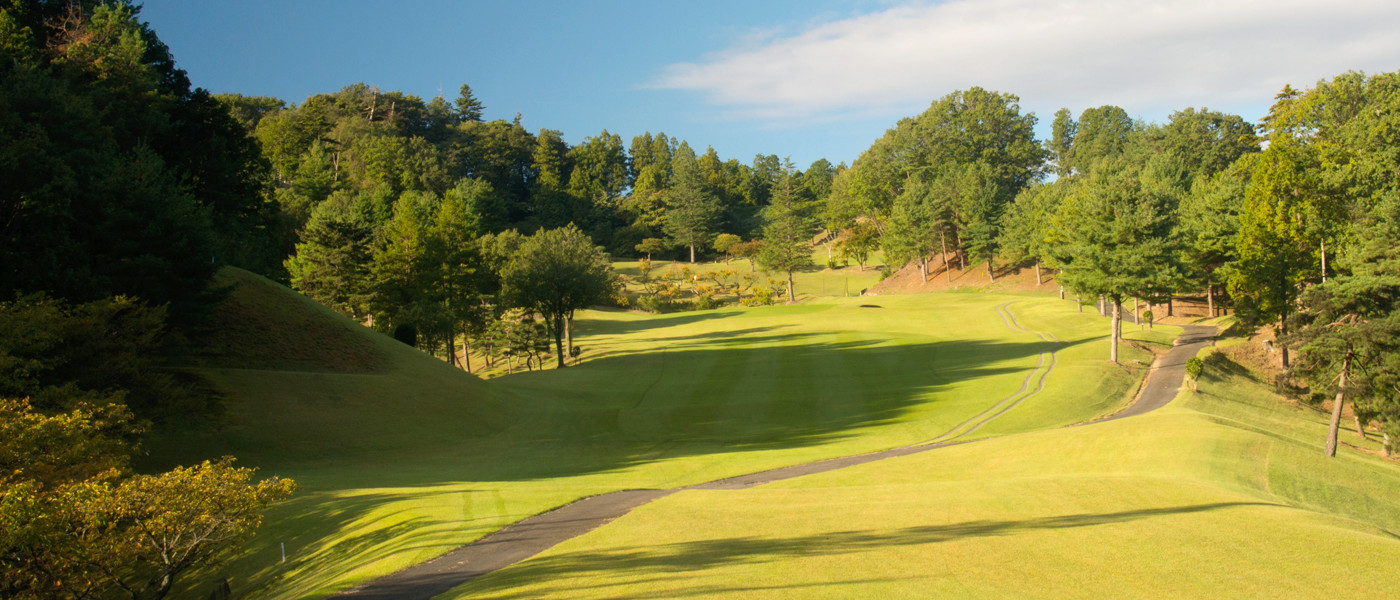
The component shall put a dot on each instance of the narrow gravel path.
(536, 534)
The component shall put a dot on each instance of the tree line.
(1291, 221)
(124, 190)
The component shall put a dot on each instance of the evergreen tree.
(691, 207)
(1113, 237)
(787, 234)
(1348, 331)
(913, 228)
(331, 264)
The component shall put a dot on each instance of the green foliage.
(1352, 323)
(725, 242)
(1277, 243)
(107, 351)
(1113, 237)
(554, 273)
(650, 246)
(857, 242)
(787, 233)
(1026, 224)
(119, 178)
(332, 263)
(692, 209)
(914, 225)
(1194, 367)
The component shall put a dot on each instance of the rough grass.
(1223, 494)
(411, 458)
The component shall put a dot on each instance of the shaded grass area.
(406, 462)
(1224, 493)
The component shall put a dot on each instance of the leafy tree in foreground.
(554, 273)
(75, 524)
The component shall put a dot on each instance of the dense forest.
(126, 188)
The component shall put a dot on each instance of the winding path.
(530, 536)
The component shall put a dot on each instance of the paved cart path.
(533, 535)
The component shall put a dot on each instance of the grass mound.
(260, 325)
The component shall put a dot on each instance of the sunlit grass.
(410, 461)
(1223, 494)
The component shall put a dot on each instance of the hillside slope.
(403, 458)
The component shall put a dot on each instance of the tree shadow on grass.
(772, 391)
(673, 562)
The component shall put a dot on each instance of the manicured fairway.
(1224, 494)
(406, 462)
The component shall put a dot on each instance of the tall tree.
(691, 207)
(1277, 244)
(1113, 237)
(787, 234)
(331, 264)
(1348, 331)
(913, 228)
(469, 108)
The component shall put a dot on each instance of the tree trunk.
(1079, 303)
(569, 335)
(1385, 443)
(558, 340)
(947, 268)
(791, 297)
(1324, 261)
(1113, 342)
(1210, 299)
(1062, 292)
(1103, 312)
(466, 352)
(452, 349)
(1169, 306)
(1331, 448)
(1037, 275)
(1278, 339)
(923, 271)
(990, 275)
(1360, 429)
(1137, 316)
(692, 254)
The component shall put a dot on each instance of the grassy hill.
(402, 458)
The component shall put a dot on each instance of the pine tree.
(787, 234)
(1112, 237)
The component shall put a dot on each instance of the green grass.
(1223, 494)
(411, 458)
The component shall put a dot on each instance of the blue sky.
(807, 79)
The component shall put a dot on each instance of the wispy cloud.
(1146, 57)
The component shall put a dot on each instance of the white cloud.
(1149, 57)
